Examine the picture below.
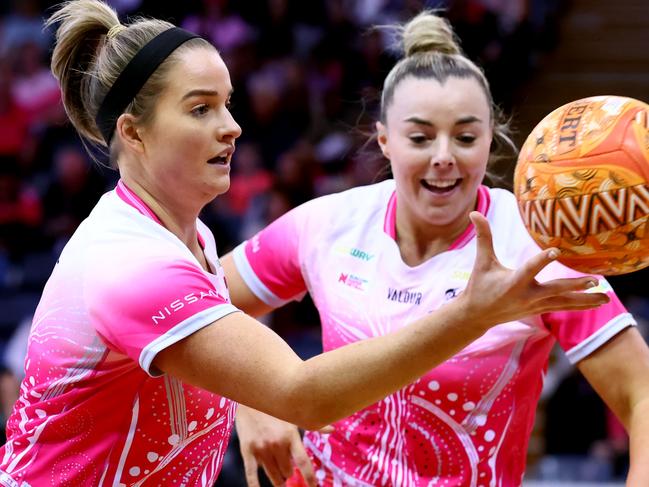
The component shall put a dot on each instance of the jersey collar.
(482, 205)
(131, 199)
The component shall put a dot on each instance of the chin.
(213, 190)
(221, 186)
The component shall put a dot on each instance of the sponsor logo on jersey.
(451, 293)
(352, 281)
(354, 252)
(178, 304)
(254, 243)
(406, 296)
(462, 275)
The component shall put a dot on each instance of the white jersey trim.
(180, 331)
(129, 440)
(600, 337)
(253, 282)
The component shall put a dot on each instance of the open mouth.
(221, 160)
(440, 186)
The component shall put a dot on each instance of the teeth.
(441, 183)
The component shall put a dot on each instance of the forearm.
(342, 381)
(240, 359)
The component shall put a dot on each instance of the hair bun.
(428, 32)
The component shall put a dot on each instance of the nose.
(231, 129)
(442, 156)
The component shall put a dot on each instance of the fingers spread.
(485, 254)
(560, 286)
(535, 264)
(573, 301)
(483, 235)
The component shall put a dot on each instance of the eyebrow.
(201, 92)
(460, 121)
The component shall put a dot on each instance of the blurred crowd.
(307, 77)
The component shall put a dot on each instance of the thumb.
(484, 245)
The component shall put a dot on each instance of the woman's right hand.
(496, 294)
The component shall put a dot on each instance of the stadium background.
(307, 76)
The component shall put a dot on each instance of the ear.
(492, 139)
(129, 133)
(382, 139)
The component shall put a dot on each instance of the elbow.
(311, 416)
(311, 407)
(315, 417)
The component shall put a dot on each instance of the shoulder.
(117, 243)
(365, 197)
(350, 207)
(502, 205)
(140, 281)
(503, 213)
(512, 242)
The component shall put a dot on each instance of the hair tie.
(114, 30)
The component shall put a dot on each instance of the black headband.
(131, 80)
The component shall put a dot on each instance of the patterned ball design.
(582, 184)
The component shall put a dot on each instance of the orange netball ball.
(582, 184)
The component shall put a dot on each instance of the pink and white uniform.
(93, 410)
(465, 423)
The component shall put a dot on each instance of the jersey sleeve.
(269, 262)
(580, 333)
(140, 308)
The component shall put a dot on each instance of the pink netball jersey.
(93, 411)
(465, 423)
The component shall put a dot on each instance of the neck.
(419, 240)
(175, 216)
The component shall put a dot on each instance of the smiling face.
(188, 144)
(437, 137)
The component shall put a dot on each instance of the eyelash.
(418, 139)
(201, 110)
(463, 139)
(466, 139)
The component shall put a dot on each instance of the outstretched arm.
(239, 358)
